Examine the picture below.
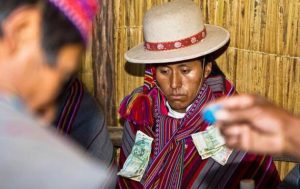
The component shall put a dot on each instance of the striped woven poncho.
(174, 160)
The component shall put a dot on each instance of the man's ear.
(207, 69)
(21, 27)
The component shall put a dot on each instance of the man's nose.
(176, 81)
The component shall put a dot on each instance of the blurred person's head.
(40, 46)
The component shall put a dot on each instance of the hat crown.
(174, 32)
(173, 21)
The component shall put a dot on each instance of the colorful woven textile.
(71, 106)
(79, 12)
(174, 161)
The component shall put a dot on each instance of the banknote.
(210, 143)
(137, 161)
(208, 154)
(222, 155)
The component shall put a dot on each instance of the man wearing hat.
(180, 78)
(40, 46)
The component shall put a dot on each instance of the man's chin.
(47, 112)
(178, 108)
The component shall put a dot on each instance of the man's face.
(180, 82)
(24, 62)
(49, 79)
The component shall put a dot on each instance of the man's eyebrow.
(163, 65)
(170, 65)
(183, 65)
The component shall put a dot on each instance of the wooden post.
(103, 60)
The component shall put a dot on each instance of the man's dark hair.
(215, 70)
(57, 30)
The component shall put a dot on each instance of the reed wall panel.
(86, 71)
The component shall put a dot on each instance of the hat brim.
(216, 37)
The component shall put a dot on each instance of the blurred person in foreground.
(80, 117)
(40, 47)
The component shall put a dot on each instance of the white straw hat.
(174, 32)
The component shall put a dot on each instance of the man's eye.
(162, 71)
(185, 71)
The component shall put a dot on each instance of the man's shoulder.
(13, 112)
(28, 148)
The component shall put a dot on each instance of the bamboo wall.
(86, 71)
(263, 56)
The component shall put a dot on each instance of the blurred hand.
(251, 123)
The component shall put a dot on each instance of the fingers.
(239, 116)
(233, 137)
(237, 101)
(244, 138)
(240, 109)
(251, 123)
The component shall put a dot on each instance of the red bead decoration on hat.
(80, 13)
(176, 44)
